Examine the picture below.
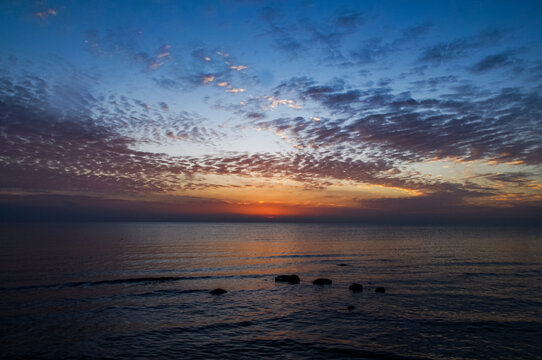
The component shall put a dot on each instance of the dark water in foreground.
(136, 290)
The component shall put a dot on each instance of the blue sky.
(291, 108)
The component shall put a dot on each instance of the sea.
(142, 291)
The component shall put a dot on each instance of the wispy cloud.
(494, 61)
(46, 13)
(208, 78)
(160, 57)
(448, 51)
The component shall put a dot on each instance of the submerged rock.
(355, 287)
(351, 307)
(290, 279)
(380, 290)
(342, 264)
(322, 281)
(218, 291)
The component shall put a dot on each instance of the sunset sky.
(366, 111)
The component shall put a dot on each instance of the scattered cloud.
(379, 111)
(161, 56)
(494, 61)
(417, 31)
(274, 102)
(448, 51)
(207, 79)
(46, 13)
(494, 127)
(349, 20)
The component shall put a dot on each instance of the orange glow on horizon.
(268, 210)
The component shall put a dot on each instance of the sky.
(358, 111)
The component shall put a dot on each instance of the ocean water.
(141, 290)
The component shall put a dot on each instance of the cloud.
(91, 155)
(54, 149)
(285, 42)
(274, 102)
(368, 118)
(493, 126)
(494, 61)
(282, 34)
(199, 72)
(435, 83)
(363, 136)
(46, 13)
(349, 20)
(160, 57)
(447, 51)
(256, 116)
(517, 179)
(325, 39)
(297, 37)
(207, 79)
(126, 42)
(417, 31)
(374, 50)
(332, 95)
(370, 51)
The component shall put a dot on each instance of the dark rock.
(355, 287)
(342, 264)
(322, 281)
(380, 290)
(218, 291)
(351, 307)
(290, 279)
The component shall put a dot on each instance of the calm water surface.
(141, 290)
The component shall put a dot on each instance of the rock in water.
(351, 307)
(342, 264)
(218, 291)
(355, 287)
(322, 281)
(380, 290)
(290, 279)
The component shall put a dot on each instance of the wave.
(167, 292)
(267, 348)
(533, 326)
(293, 256)
(489, 263)
(136, 280)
